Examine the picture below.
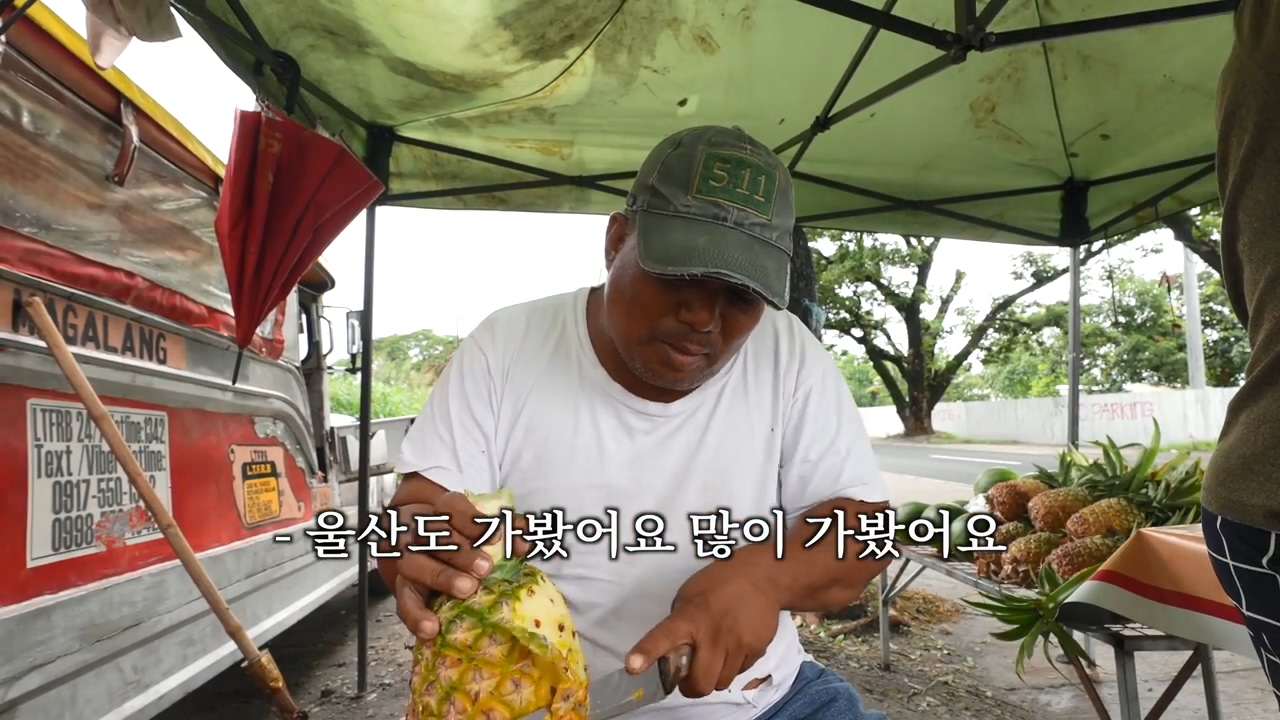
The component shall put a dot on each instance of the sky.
(446, 270)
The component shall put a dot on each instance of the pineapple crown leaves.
(1033, 617)
(1071, 464)
(1112, 475)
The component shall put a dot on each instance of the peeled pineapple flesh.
(507, 651)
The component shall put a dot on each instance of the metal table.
(1126, 638)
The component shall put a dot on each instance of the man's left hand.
(727, 617)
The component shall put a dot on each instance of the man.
(1241, 517)
(677, 388)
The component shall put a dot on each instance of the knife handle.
(674, 667)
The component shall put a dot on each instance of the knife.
(620, 692)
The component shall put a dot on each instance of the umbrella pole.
(259, 664)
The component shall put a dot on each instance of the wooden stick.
(259, 664)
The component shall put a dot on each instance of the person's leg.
(818, 693)
(1247, 563)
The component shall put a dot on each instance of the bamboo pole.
(259, 664)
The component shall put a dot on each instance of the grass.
(1192, 446)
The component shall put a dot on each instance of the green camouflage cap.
(714, 202)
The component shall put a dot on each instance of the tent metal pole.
(378, 159)
(822, 121)
(1073, 379)
(366, 408)
(1074, 354)
(1074, 230)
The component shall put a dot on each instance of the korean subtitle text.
(330, 540)
(981, 530)
(713, 534)
(874, 530)
(649, 529)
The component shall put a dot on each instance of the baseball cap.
(713, 202)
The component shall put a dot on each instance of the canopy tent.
(1040, 122)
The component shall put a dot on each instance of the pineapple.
(1008, 500)
(1025, 556)
(1077, 555)
(988, 562)
(1112, 516)
(507, 651)
(1050, 510)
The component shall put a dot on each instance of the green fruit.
(959, 536)
(931, 515)
(992, 477)
(904, 515)
(953, 509)
(908, 512)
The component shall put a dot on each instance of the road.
(952, 463)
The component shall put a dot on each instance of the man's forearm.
(817, 578)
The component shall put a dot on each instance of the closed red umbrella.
(287, 193)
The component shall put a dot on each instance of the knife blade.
(620, 692)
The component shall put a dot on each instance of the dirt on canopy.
(930, 677)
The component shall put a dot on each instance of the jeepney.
(107, 209)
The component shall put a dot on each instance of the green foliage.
(389, 399)
(1226, 344)
(867, 387)
(878, 292)
(404, 369)
(1131, 333)
(1032, 619)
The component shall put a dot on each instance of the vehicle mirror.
(353, 333)
(326, 342)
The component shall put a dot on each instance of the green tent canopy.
(1029, 121)
(1025, 121)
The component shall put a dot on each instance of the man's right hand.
(417, 576)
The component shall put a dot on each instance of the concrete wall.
(1184, 415)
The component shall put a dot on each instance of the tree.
(1200, 230)
(865, 385)
(876, 290)
(404, 369)
(1226, 344)
(1131, 332)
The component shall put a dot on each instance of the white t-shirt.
(525, 404)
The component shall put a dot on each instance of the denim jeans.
(818, 693)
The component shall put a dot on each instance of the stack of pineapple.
(1076, 516)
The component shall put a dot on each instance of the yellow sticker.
(261, 485)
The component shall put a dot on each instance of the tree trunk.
(918, 420)
(803, 302)
(1184, 231)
